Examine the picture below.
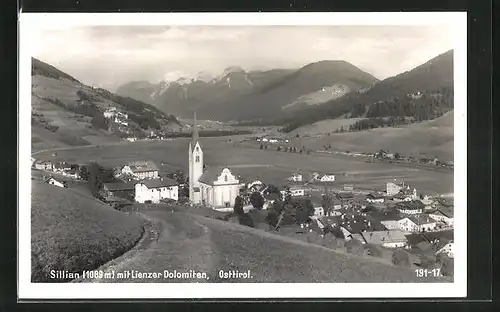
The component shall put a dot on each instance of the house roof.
(374, 196)
(143, 166)
(448, 234)
(118, 186)
(421, 219)
(156, 183)
(382, 237)
(411, 205)
(345, 195)
(415, 239)
(446, 211)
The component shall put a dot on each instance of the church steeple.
(195, 132)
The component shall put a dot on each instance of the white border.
(27, 290)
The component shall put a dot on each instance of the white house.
(319, 212)
(132, 139)
(374, 198)
(141, 170)
(413, 207)
(417, 223)
(295, 190)
(327, 178)
(387, 239)
(447, 249)
(54, 182)
(393, 188)
(44, 165)
(390, 224)
(156, 190)
(296, 177)
(444, 215)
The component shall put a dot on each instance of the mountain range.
(240, 95)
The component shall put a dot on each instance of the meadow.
(269, 165)
(71, 231)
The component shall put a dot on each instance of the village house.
(417, 223)
(445, 247)
(141, 170)
(393, 188)
(156, 190)
(375, 198)
(296, 177)
(410, 207)
(118, 189)
(337, 204)
(387, 239)
(330, 177)
(444, 215)
(391, 224)
(346, 196)
(348, 187)
(319, 212)
(55, 182)
(44, 165)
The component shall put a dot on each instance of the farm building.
(374, 198)
(141, 170)
(388, 239)
(390, 224)
(118, 189)
(319, 212)
(55, 182)
(156, 190)
(417, 223)
(296, 177)
(44, 165)
(445, 247)
(444, 215)
(410, 207)
(327, 177)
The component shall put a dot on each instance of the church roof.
(212, 174)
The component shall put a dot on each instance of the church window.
(225, 178)
(197, 158)
(197, 148)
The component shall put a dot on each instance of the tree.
(261, 146)
(303, 210)
(257, 200)
(272, 218)
(99, 121)
(400, 257)
(246, 219)
(238, 206)
(298, 136)
(327, 201)
(397, 156)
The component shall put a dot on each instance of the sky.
(109, 56)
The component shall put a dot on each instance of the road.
(193, 244)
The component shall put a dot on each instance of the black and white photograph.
(243, 155)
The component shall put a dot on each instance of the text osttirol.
(234, 274)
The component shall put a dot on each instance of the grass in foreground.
(71, 232)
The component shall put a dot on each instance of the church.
(216, 187)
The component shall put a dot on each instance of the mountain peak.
(233, 69)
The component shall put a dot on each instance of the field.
(324, 126)
(72, 231)
(252, 163)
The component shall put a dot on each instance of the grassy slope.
(433, 138)
(74, 232)
(324, 126)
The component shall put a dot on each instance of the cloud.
(112, 55)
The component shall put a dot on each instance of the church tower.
(195, 165)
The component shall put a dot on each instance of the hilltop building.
(217, 187)
(156, 190)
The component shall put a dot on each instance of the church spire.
(195, 132)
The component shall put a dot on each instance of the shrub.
(374, 250)
(246, 219)
(354, 246)
(400, 257)
(238, 206)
